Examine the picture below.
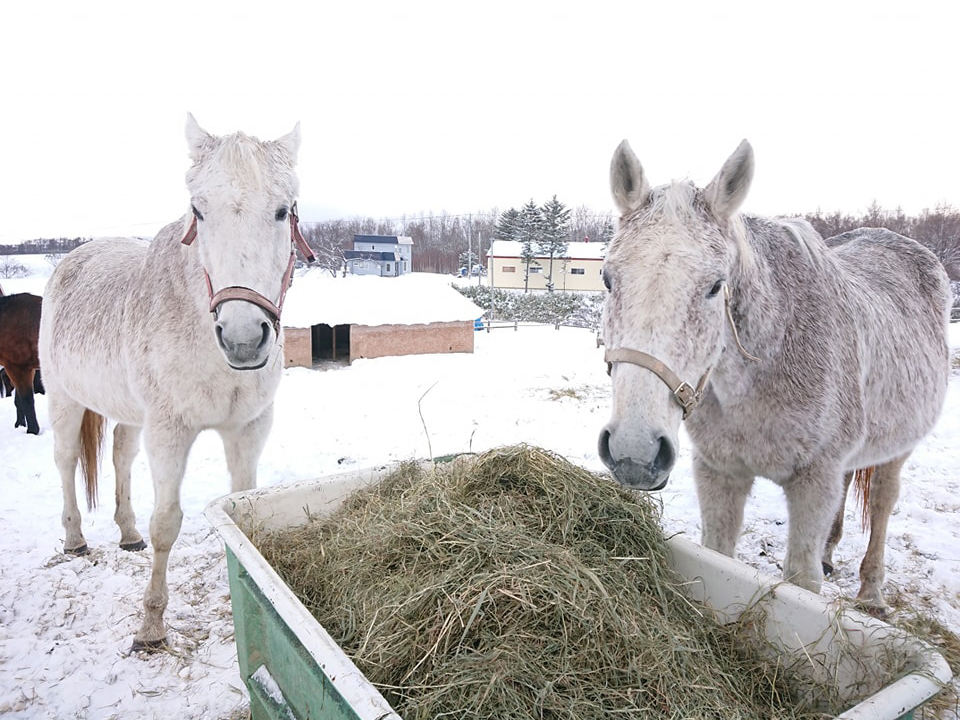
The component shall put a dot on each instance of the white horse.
(173, 337)
(788, 359)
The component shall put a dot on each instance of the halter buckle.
(687, 397)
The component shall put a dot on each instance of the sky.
(430, 107)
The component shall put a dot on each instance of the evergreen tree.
(606, 231)
(555, 232)
(530, 233)
(508, 225)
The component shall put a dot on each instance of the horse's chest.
(750, 444)
(234, 400)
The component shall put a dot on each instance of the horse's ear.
(291, 143)
(196, 137)
(727, 191)
(628, 184)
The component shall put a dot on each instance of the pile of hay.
(517, 585)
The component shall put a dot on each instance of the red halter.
(237, 292)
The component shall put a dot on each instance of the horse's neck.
(176, 267)
(761, 307)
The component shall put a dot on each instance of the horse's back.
(893, 269)
(83, 310)
(21, 308)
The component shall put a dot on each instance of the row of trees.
(443, 243)
(43, 246)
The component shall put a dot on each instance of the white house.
(382, 255)
(581, 268)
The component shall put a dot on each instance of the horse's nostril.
(603, 448)
(665, 455)
(264, 334)
(218, 328)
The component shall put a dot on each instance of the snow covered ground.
(66, 623)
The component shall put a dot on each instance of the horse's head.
(665, 273)
(242, 194)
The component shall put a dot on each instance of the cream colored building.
(580, 269)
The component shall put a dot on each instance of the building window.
(578, 271)
(534, 269)
(509, 268)
(388, 267)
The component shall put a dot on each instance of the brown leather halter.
(685, 394)
(238, 292)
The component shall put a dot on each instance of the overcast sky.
(410, 107)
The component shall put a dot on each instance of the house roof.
(394, 239)
(315, 297)
(369, 255)
(575, 250)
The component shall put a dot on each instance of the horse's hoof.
(148, 646)
(880, 612)
(134, 546)
(77, 551)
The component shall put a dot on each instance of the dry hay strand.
(516, 585)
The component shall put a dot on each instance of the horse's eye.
(717, 287)
(196, 213)
(281, 214)
(606, 280)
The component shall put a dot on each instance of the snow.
(66, 624)
(317, 297)
(575, 250)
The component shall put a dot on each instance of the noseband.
(238, 292)
(686, 395)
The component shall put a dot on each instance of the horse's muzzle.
(246, 346)
(635, 474)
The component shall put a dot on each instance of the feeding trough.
(294, 669)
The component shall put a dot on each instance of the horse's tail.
(91, 445)
(861, 486)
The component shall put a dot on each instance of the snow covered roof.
(315, 297)
(397, 239)
(368, 255)
(575, 250)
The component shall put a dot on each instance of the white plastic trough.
(294, 669)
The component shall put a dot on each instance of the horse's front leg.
(126, 443)
(882, 495)
(242, 447)
(813, 496)
(167, 446)
(722, 497)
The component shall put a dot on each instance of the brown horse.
(19, 330)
